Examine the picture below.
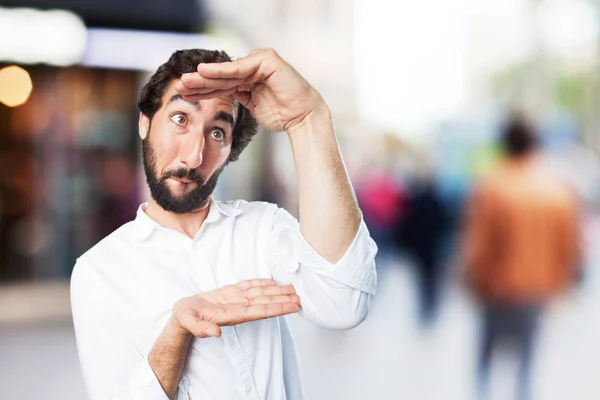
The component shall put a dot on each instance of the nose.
(193, 147)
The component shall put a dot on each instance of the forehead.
(223, 103)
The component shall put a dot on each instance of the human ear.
(143, 126)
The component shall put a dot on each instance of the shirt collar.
(217, 208)
(143, 225)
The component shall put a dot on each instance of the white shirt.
(124, 288)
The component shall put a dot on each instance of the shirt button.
(232, 342)
(248, 389)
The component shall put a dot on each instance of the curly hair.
(184, 61)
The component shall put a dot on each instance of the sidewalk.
(39, 302)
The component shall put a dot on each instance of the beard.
(159, 189)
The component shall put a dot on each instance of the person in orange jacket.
(521, 247)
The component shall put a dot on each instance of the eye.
(179, 119)
(217, 134)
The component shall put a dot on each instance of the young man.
(186, 299)
(521, 248)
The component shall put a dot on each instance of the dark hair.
(519, 137)
(184, 61)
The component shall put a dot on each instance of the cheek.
(166, 152)
(217, 156)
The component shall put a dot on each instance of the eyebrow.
(224, 116)
(220, 116)
(178, 97)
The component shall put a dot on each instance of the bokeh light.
(30, 36)
(15, 86)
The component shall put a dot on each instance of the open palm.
(248, 300)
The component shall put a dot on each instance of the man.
(521, 247)
(187, 299)
(422, 236)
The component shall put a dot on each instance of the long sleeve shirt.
(124, 288)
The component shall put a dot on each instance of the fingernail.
(211, 332)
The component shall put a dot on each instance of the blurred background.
(421, 92)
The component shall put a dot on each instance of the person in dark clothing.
(421, 235)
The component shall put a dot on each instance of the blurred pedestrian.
(421, 234)
(521, 248)
(382, 198)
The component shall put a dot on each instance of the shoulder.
(482, 185)
(119, 240)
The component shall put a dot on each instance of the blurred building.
(69, 156)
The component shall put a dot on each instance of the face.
(185, 148)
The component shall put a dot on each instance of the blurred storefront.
(67, 168)
(69, 148)
(153, 15)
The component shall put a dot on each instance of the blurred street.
(470, 133)
(385, 357)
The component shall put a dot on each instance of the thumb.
(245, 99)
(200, 328)
(204, 329)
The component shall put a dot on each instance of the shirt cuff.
(356, 268)
(144, 384)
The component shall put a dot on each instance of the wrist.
(174, 330)
(315, 132)
(318, 115)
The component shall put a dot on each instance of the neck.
(521, 159)
(188, 224)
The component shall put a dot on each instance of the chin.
(178, 189)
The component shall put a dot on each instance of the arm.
(202, 315)
(115, 368)
(331, 264)
(168, 355)
(282, 100)
(477, 238)
(336, 269)
(569, 242)
(329, 213)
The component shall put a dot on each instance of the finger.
(248, 283)
(239, 69)
(258, 65)
(204, 329)
(239, 314)
(256, 77)
(244, 301)
(198, 327)
(194, 80)
(185, 91)
(210, 95)
(245, 99)
(262, 311)
(244, 87)
(255, 292)
(276, 299)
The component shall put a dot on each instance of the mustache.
(182, 173)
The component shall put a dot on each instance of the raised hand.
(274, 92)
(249, 300)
